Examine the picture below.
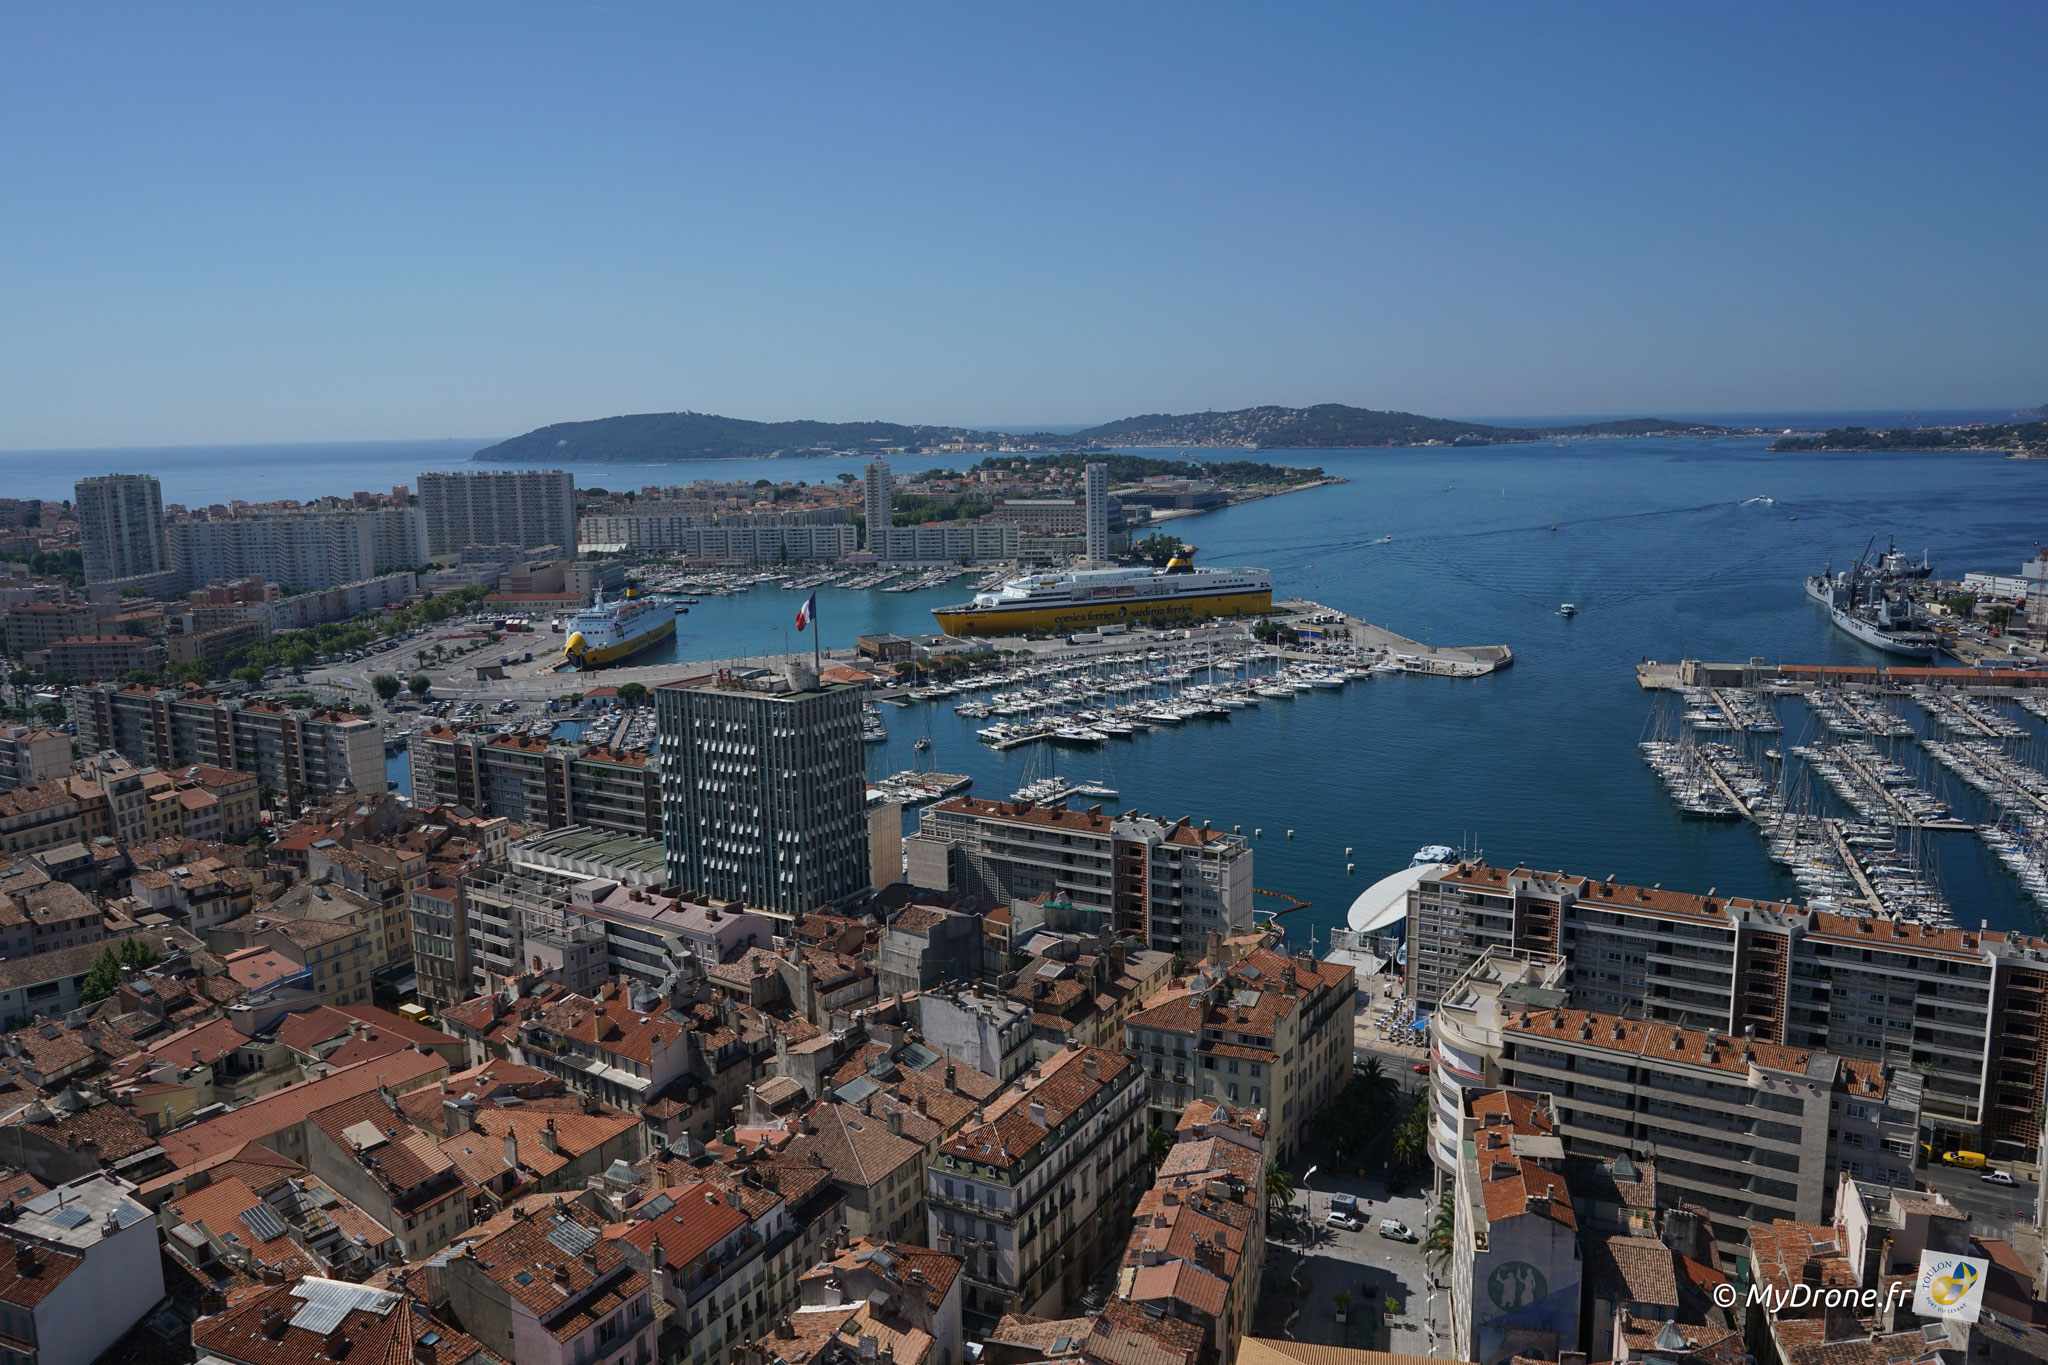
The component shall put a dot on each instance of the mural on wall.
(1523, 1314)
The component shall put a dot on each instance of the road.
(1995, 1210)
(1298, 1297)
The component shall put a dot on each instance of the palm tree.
(1375, 1084)
(1279, 1186)
(1442, 1229)
(1158, 1145)
(1411, 1139)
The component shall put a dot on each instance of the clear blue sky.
(292, 222)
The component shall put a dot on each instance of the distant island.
(2023, 438)
(655, 437)
(1335, 426)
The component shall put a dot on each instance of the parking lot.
(1298, 1297)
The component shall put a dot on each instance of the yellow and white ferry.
(607, 632)
(1082, 599)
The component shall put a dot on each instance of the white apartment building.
(284, 746)
(946, 542)
(1033, 1197)
(1739, 1127)
(524, 507)
(763, 537)
(1170, 882)
(121, 526)
(1097, 499)
(1921, 997)
(297, 550)
(878, 501)
(1465, 1036)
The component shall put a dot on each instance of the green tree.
(138, 953)
(1279, 1186)
(1157, 548)
(1358, 1121)
(419, 684)
(1443, 1227)
(1158, 1145)
(632, 694)
(1410, 1147)
(1376, 1087)
(385, 686)
(103, 978)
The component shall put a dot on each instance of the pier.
(1854, 867)
(1902, 815)
(1314, 620)
(1735, 800)
(1655, 676)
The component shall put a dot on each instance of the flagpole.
(817, 662)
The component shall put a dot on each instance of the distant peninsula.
(651, 438)
(2021, 438)
(1335, 426)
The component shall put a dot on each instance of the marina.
(1853, 714)
(1855, 866)
(1876, 788)
(1961, 714)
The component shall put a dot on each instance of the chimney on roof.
(1091, 1068)
(273, 1321)
(337, 1342)
(562, 1274)
(25, 1259)
(426, 1351)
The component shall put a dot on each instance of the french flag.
(808, 612)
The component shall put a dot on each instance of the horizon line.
(1026, 428)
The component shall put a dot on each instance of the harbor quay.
(1320, 633)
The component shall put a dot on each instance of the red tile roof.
(281, 1109)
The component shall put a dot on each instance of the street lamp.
(1308, 1197)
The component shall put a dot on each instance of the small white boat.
(1567, 609)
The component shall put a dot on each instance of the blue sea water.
(1664, 546)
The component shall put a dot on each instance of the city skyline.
(1072, 217)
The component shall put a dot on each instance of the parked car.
(1340, 1219)
(1420, 1068)
(1996, 1177)
(1396, 1229)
